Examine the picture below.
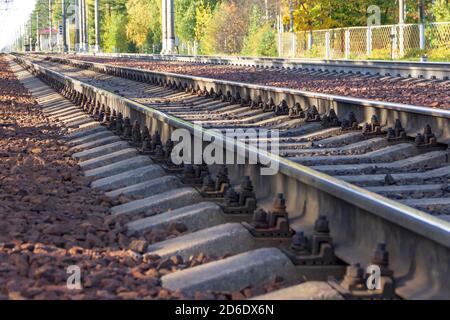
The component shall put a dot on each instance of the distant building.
(44, 36)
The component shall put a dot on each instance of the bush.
(114, 38)
(439, 54)
(380, 54)
(261, 38)
(436, 54)
(263, 42)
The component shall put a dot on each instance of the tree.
(154, 37)
(185, 19)
(114, 33)
(441, 10)
(191, 17)
(228, 26)
(138, 21)
(203, 15)
(226, 32)
(261, 37)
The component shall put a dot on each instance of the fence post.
(369, 41)
(401, 40)
(327, 45)
(310, 41)
(294, 44)
(280, 44)
(394, 41)
(422, 36)
(347, 43)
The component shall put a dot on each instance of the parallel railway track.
(374, 83)
(331, 139)
(422, 70)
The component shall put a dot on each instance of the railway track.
(358, 152)
(422, 70)
(393, 162)
(373, 83)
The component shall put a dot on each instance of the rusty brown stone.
(139, 246)
(164, 294)
(237, 295)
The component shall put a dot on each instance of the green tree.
(441, 10)
(227, 28)
(144, 24)
(114, 34)
(203, 15)
(154, 37)
(261, 37)
(185, 19)
(191, 18)
(138, 24)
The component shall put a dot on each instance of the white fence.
(364, 42)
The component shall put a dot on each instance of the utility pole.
(291, 17)
(31, 34)
(77, 26)
(80, 25)
(86, 31)
(50, 24)
(17, 41)
(164, 26)
(22, 32)
(97, 28)
(37, 33)
(401, 11)
(63, 8)
(422, 24)
(69, 43)
(401, 22)
(170, 27)
(266, 5)
(421, 11)
(280, 16)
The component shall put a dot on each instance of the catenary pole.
(50, 24)
(63, 8)
(97, 28)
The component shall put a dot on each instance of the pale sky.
(12, 19)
